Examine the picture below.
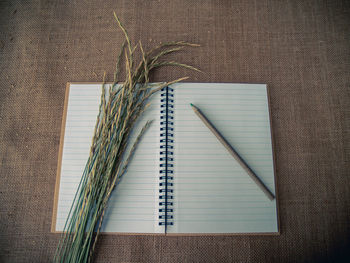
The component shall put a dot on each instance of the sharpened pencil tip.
(191, 104)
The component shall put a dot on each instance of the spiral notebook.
(181, 180)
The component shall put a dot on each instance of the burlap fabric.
(301, 49)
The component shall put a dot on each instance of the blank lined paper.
(212, 192)
(133, 207)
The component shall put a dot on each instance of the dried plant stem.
(105, 167)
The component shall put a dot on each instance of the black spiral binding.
(166, 158)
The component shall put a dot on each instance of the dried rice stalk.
(104, 168)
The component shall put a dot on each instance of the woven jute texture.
(300, 49)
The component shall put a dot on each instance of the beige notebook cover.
(208, 191)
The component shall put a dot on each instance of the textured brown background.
(301, 49)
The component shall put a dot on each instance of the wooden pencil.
(234, 154)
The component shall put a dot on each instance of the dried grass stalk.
(104, 168)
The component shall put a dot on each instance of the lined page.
(212, 192)
(133, 206)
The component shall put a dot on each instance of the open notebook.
(207, 190)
